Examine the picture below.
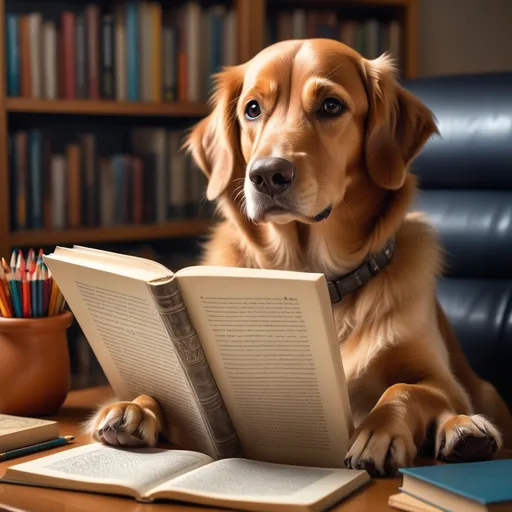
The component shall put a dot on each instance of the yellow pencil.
(53, 299)
(3, 309)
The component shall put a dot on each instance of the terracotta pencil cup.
(34, 364)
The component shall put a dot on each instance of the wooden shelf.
(189, 227)
(106, 107)
(341, 3)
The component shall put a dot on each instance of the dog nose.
(272, 175)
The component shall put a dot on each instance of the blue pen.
(33, 448)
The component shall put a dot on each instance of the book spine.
(137, 189)
(89, 151)
(194, 44)
(35, 21)
(13, 55)
(107, 54)
(47, 184)
(25, 72)
(58, 185)
(172, 310)
(22, 181)
(68, 41)
(81, 58)
(156, 21)
(132, 50)
(146, 51)
(50, 60)
(229, 43)
(74, 188)
(120, 51)
(118, 188)
(92, 17)
(183, 58)
(36, 178)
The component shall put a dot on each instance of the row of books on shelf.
(152, 183)
(370, 37)
(136, 51)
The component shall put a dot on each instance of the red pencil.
(27, 310)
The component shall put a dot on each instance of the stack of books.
(471, 486)
(136, 51)
(151, 182)
(369, 37)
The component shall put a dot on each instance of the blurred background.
(96, 97)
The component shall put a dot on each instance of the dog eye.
(252, 110)
(332, 107)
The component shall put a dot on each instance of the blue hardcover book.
(36, 178)
(13, 56)
(132, 50)
(461, 487)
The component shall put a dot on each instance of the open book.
(149, 474)
(243, 362)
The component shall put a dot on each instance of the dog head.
(293, 128)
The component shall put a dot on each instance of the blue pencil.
(39, 287)
(46, 445)
(15, 296)
(33, 295)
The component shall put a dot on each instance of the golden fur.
(406, 373)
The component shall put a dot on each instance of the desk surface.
(78, 407)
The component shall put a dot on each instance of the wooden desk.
(78, 406)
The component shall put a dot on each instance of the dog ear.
(398, 124)
(215, 141)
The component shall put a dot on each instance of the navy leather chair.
(466, 190)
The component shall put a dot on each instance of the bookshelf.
(252, 19)
(106, 107)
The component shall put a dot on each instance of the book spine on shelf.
(120, 52)
(50, 60)
(132, 50)
(92, 23)
(59, 189)
(172, 310)
(138, 50)
(69, 60)
(13, 55)
(25, 70)
(107, 57)
(36, 178)
(81, 57)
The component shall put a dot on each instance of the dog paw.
(466, 439)
(381, 452)
(124, 424)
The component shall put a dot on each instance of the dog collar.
(349, 283)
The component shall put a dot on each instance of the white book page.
(138, 469)
(119, 319)
(273, 350)
(262, 482)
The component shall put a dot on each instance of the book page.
(119, 319)
(138, 469)
(272, 346)
(242, 480)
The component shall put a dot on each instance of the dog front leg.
(396, 428)
(135, 423)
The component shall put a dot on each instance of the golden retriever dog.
(307, 151)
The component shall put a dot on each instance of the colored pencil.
(5, 294)
(15, 297)
(13, 260)
(27, 288)
(45, 445)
